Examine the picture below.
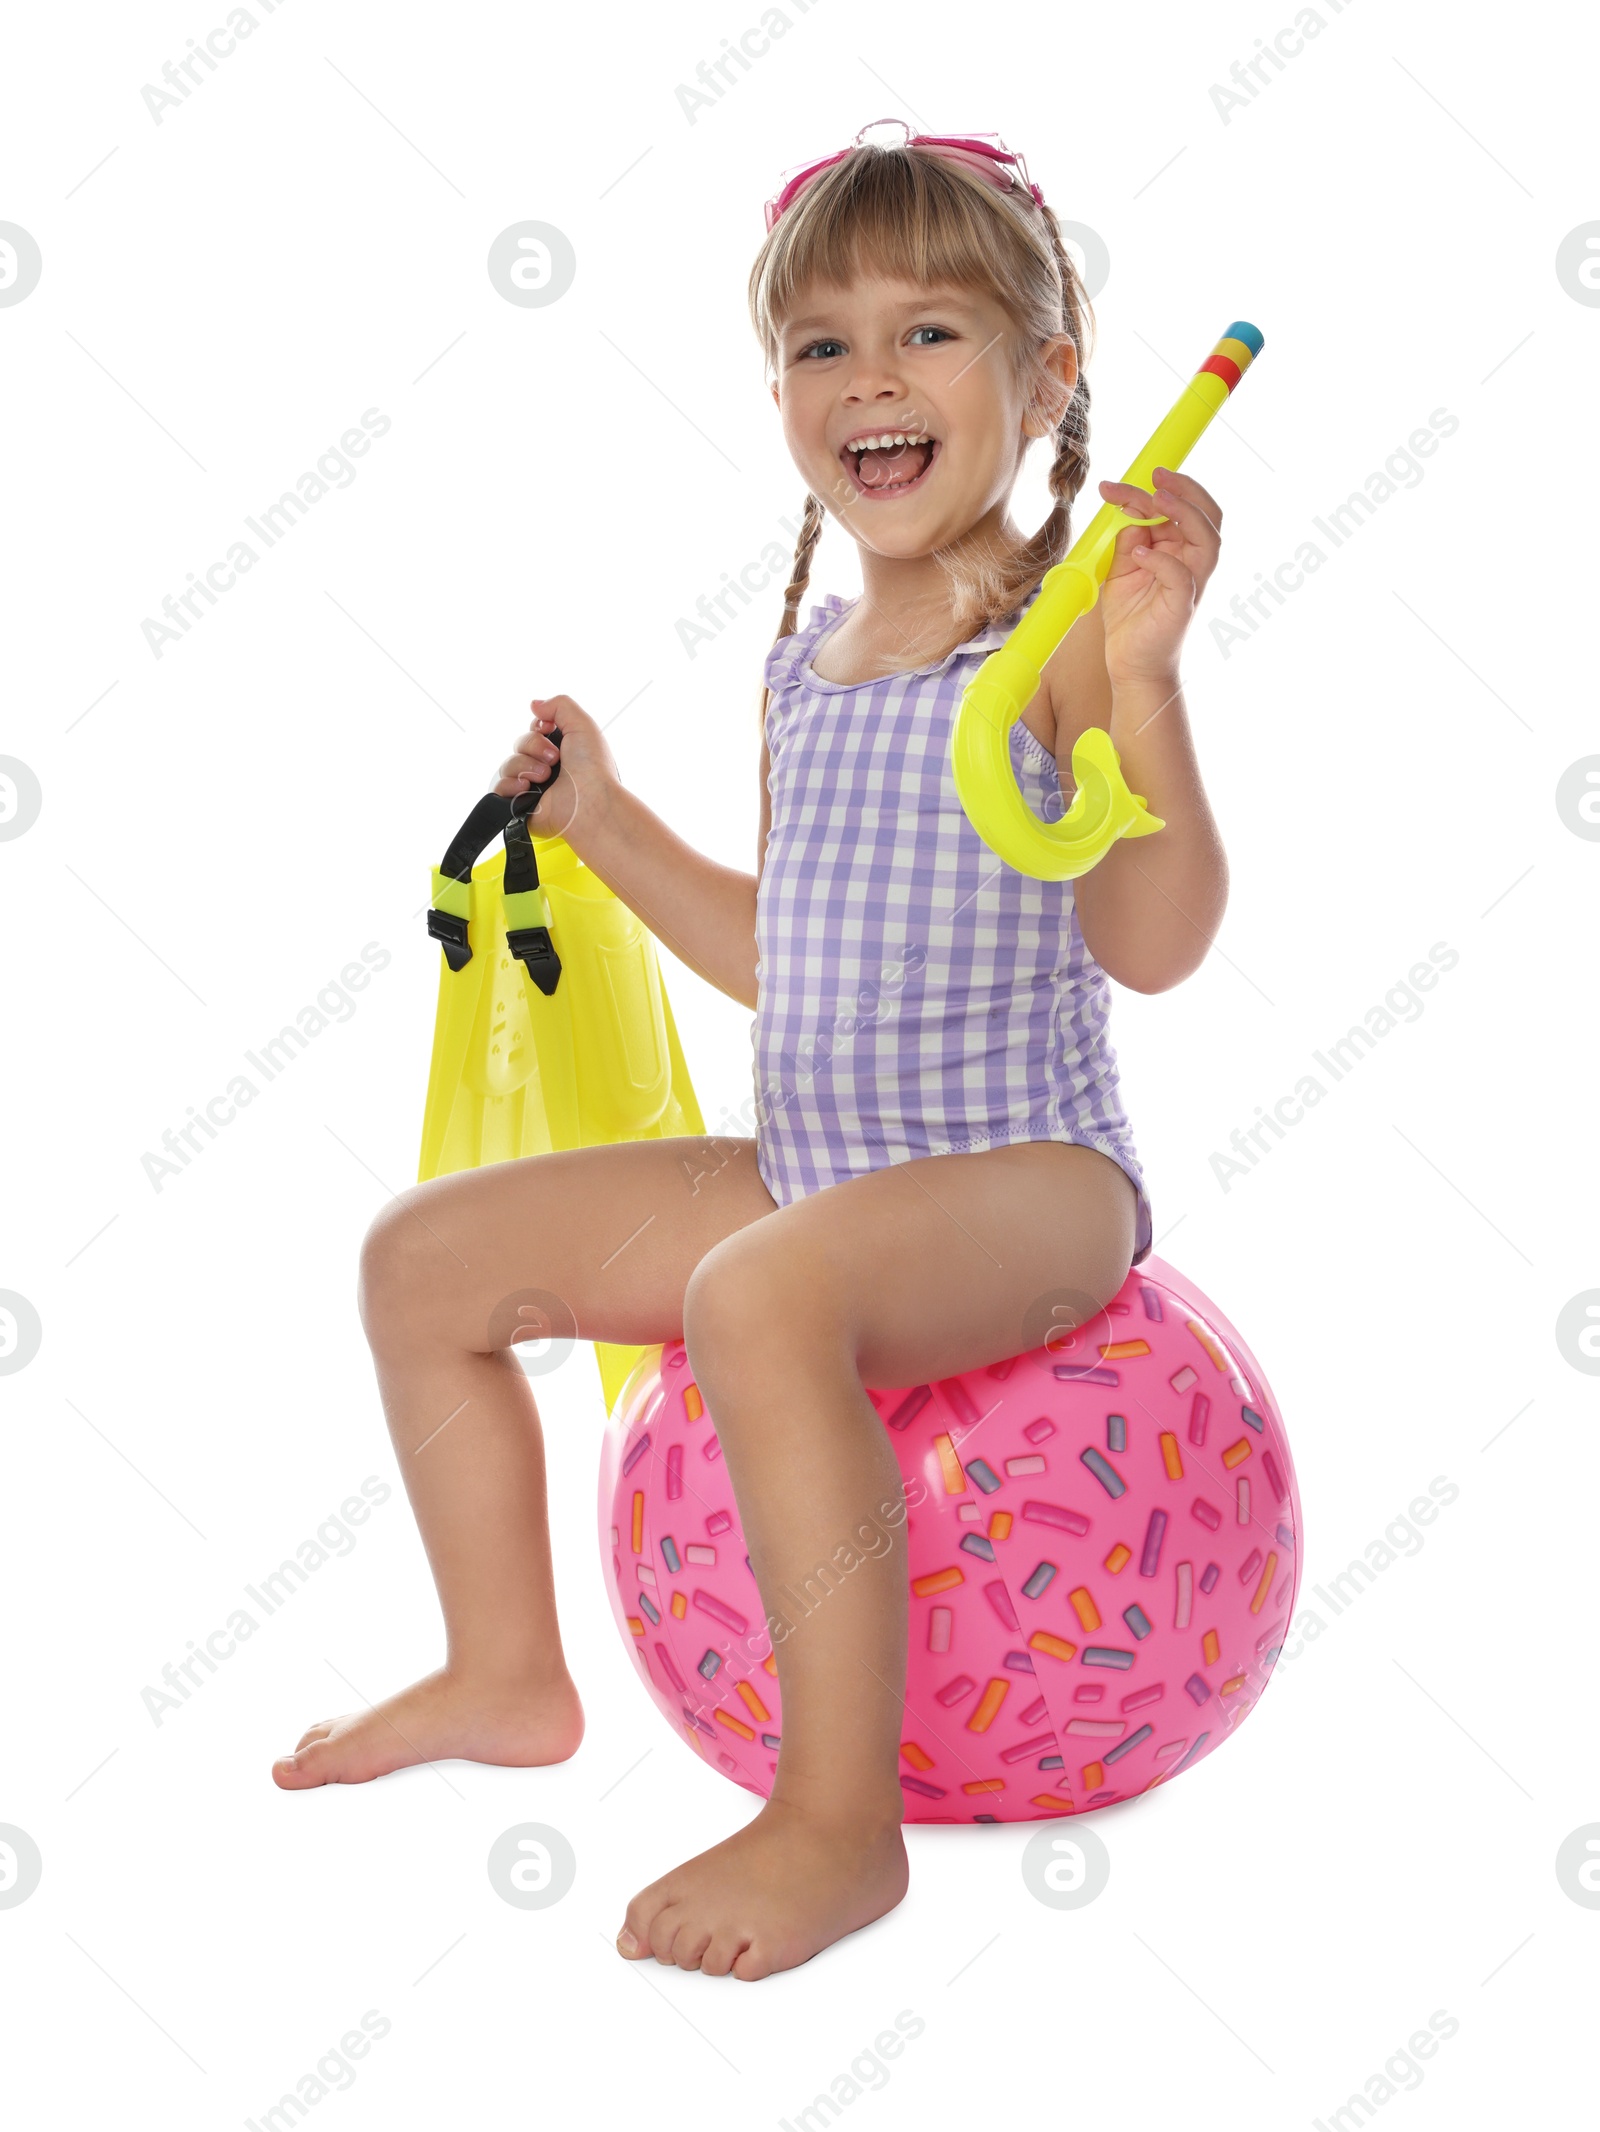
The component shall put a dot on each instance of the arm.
(1151, 908)
(704, 912)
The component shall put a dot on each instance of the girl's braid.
(1070, 467)
(794, 591)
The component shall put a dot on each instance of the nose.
(875, 377)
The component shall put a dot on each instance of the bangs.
(903, 216)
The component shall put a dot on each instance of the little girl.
(940, 1153)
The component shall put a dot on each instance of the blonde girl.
(939, 1152)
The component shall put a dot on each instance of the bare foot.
(440, 1717)
(769, 1898)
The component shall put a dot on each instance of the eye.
(815, 345)
(932, 329)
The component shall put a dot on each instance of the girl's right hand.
(587, 764)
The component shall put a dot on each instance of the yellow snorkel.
(1103, 808)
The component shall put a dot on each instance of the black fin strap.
(531, 944)
(496, 816)
(486, 821)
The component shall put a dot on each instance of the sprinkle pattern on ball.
(1101, 1539)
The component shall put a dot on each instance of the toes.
(633, 1941)
(640, 1936)
(318, 1731)
(720, 1957)
(663, 1930)
(689, 1945)
(750, 1966)
(305, 1768)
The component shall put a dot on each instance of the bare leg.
(613, 1235)
(920, 1270)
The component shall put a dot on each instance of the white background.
(224, 827)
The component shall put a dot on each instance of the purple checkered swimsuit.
(915, 995)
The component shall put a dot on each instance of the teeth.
(888, 438)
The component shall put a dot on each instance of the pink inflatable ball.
(1102, 1540)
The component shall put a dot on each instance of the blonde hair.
(912, 216)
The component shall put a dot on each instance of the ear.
(1053, 394)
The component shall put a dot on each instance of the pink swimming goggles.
(983, 152)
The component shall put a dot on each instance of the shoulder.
(786, 656)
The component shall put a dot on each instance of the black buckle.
(451, 934)
(533, 948)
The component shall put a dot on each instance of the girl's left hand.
(1148, 599)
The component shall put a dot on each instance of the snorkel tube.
(1103, 808)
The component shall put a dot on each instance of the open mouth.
(894, 470)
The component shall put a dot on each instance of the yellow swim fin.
(553, 1028)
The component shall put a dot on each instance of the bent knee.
(402, 1262)
(751, 1286)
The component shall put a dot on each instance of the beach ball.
(1101, 1539)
